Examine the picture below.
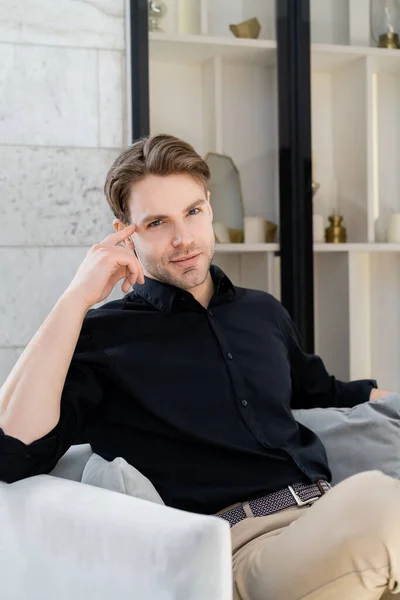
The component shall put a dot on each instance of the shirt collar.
(162, 295)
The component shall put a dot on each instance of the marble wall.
(62, 123)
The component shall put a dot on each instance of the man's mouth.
(187, 261)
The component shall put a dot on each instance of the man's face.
(174, 239)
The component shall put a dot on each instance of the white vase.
(254, 230)
(381, 227)
(394, 228)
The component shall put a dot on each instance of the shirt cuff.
(357, 392)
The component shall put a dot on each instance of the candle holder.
(385, 23)
(156, 10)
(315, 187)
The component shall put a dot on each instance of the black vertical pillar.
(139, 62)
(294, 101)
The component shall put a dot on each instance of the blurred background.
(62, 123)
(293, 103)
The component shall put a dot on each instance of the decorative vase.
(382, 226)
(271, 231)
(254, 230)
(336, 232)
(318, 229)
(248, 29)
(393, 235)
(221, 233)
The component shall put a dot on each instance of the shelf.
(359, 247)
(195, 49)
(244, 248)
(329, 57)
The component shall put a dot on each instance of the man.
(192, 381)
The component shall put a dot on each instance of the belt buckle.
(299, 501)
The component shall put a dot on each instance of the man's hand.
(104, 265)
(376, 394)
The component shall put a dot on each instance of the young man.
(192, 380)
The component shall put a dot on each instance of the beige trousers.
(344, 546)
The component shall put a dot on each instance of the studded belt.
(298, 494)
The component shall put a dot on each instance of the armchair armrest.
(63, 539)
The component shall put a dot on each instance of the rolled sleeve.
(81, 397)
(19, 460)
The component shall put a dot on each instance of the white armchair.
(63, 539)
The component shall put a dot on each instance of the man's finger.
(131, 261)
(141, 273)
(133, 268)
(135, 275)
(119, 236)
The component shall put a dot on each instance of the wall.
(62, 123)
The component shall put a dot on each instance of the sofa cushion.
(119, 476)
(72, 464)
(362, 438)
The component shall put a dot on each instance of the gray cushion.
(361, 438)
(72, 464)
(119, 476)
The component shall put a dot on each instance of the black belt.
(298, 494)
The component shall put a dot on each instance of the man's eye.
(155, 223)
(194, 211)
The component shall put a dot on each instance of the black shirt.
(199, 400)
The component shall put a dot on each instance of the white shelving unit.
(220, 94)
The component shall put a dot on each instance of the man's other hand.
(376, 394)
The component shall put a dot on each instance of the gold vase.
(336, 232)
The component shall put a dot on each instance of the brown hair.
(152, 155)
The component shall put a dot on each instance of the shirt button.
(244, 402)
(230, 356)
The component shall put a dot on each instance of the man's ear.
(119, 226)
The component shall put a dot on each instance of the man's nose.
(182, 236)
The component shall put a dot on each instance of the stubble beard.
(190, 278)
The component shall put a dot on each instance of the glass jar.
(385, 23)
